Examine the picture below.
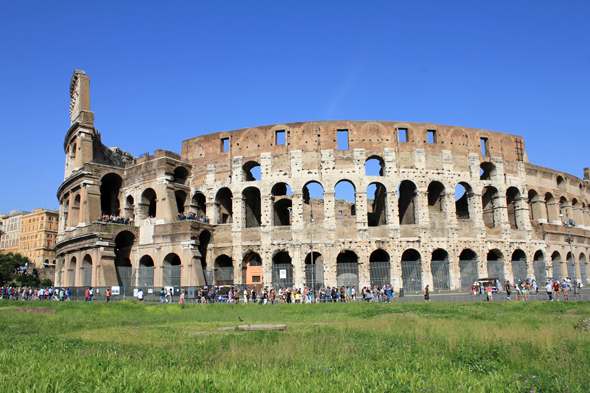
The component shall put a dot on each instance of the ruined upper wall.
(372, 136)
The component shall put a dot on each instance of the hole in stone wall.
(376, 204)
(344, 198)
(407, 202)
(374, 166)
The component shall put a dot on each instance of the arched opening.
(72, 271)
(552, 208)
(412, 271)
(314, 272)
(344, 199)
(487, 171)
(468, 268)
(489, 204)
(577, 214)
(583, 267)
(199, 205)
(282, 204)
(537, 210)
(496, 265)
(223, 205)
(123, 247)
(313, 201)
(76, 213)
(252, 217)
(347, 269)
(514, 213)
(204, 240)
(171, 270)
(463, 195)
(224, 270)
(571, 270)
(374, 166)
(379, 268)
(436, 200)
(129, 207)
(376, 205)
(180, 200)
(251, 171)
(560, 182)
(407, 202)
(282, 270)
(519, 266)
(540, 267)
(439, 266)
(252, 270)
(556, 265)
(110, 185)
(145, 273)
(180, 175)
(148, 203)
(87, 270)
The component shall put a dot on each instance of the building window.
(280, 137)
(431, 136)
(342, 139)
(224, 144)
(402, 134)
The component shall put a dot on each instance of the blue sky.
(162, 72)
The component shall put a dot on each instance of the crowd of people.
(293, 295)
(556, 291)
(27, 293)
(194, 217)
(116, 219)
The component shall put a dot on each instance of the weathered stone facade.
(406, 226)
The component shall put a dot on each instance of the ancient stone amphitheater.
(427, 204)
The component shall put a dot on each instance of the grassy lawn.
(131, 347)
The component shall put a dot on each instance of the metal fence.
(469, 274)
(282, 275)
(441, 279)
(87, 276)
(224, 275)
(207, 274)
(556, 270)
(412, 276)
(145, 276)
(380, 273)
(314, 274)
(171, 276)
(518, 271)
(584, 278)
(540, 269)
(348, 274)
(126, 275)
(571, 270)
(496, 269)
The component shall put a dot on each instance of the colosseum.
(263, 206)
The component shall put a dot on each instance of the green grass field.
(131, 347)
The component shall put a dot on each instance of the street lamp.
(569, 223)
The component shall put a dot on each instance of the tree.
(46, 282)
(9, 266)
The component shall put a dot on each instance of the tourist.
(489, 292)
(556, 290)
(426, 294)
(108, 294)
(86, 294)
(564, 289)
(181, 297)
(549, 289)
(507, 286)
(90, 294)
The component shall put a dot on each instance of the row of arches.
(413, 272)
(551, 209)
